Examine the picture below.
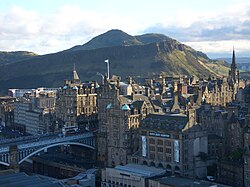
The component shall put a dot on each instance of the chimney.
(129, 80)
(147, 91)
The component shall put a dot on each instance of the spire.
(233, 60)
(233, 71)
(75, 75)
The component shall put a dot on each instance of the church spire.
(233, 70)
(234, 77)
(233, 60)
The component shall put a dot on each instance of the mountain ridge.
(142, 55)
(7, 57)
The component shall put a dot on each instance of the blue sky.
(47, 26)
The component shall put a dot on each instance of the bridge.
(14, 152)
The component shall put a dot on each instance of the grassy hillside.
(11, 57)
(140, 56)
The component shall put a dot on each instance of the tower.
(76, 79)
(233, 77)
(233, 73)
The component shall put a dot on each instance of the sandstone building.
(74, 101)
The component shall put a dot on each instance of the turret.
(76, 79)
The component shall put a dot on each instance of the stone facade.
(230, 173)
(222, 91)
(6, 111)
(175, 143)
(119, 118)
(75, 99)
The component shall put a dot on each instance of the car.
(210, 178)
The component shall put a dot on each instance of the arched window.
(177, 170)
(152, 164)
(160, 165)
(169, 168)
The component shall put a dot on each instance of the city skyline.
(46, 27)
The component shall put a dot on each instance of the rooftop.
(142, 170)
(186, 182)
(22, 179)
(165, 122)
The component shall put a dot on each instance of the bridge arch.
(54, 145)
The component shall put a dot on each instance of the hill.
(239, 60)
(140, 56)
(108, 39)
(117, 37)
(16, 56)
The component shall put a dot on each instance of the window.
(152, 156)
(152, 141)
(168, 150)
(168, 158)
(176, 136)
(151, 148)
(159, 142)
(160, 149)
(168, 143)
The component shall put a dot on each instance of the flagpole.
(107, 61)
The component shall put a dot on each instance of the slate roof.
(137, 104)
(141, 170)
(165, 122)
(22, 179)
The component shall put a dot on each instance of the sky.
(47, 26)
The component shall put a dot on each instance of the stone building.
(29, 118)
(45, 100)
(6, 111)
(75, 100)
(246, 169)
(231, 172)
(212, 119)
(218, 92)
(173, 142)
(33, 111)
(221, 91)
(246, 155)
(119, 117)
(130, 175)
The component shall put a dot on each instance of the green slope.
(11, 57)
(143, 56)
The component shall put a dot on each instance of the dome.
(125, 107)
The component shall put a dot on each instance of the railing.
(22, 143)
(12, 140)
(4, 149)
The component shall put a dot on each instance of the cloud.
(214, 32)
(22, 29)
(210, 32)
